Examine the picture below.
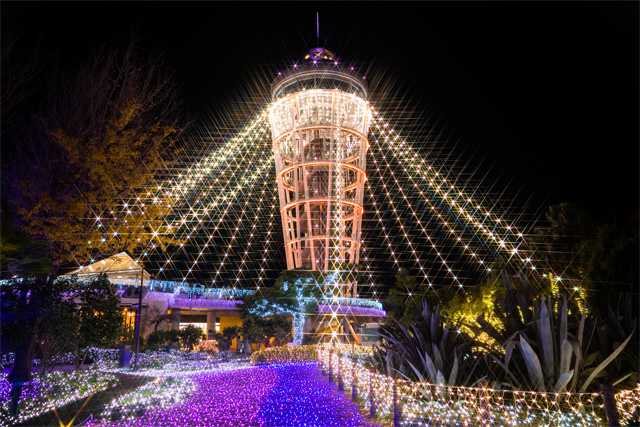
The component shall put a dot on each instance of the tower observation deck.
(319, 122)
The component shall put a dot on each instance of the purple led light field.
(289, 394)
(303, 397)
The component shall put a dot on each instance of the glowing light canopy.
(350, 188)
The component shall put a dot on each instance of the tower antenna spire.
(318, 28)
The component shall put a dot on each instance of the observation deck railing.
(341, 77)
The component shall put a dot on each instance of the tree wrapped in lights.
(480, 307)
(295, 293)
(208, 346)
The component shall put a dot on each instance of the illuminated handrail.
(186, 291)
(353, 302)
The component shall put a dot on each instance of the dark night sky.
(540, 97)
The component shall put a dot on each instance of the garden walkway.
(282, 395)
(84, 409)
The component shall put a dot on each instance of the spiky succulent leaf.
(437, 358)
(563, 381)
(604, 364)
(565, 357)
(454, 371)
(615, 325)
(506, 370)
(508, 352)
(430, 367)
(435, 320)
(533, 364)
(546, 339)
(622, 379)
(563, 320)
(417, 372)
(589, 359)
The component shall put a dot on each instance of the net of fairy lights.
(628, 402)
(419, 402)
(436, 222)
(222, 215)
(224, 219)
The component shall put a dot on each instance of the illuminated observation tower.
(319, 123)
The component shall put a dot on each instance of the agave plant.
(621, 326)
(557, 349)
(427, 350)
(556, 345)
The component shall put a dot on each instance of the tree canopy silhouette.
(104, 132)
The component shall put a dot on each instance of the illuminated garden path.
(292, 394)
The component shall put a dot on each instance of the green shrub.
(156, 339)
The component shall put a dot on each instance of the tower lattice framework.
(319, 123)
